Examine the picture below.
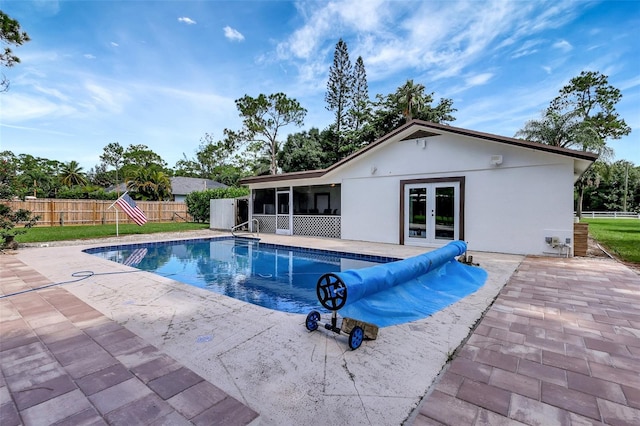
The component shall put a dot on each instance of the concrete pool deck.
(265, 360)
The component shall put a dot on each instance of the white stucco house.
(427, 184)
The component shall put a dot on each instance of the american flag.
(136, 257)
(129, 206)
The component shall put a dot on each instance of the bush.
(198, 202)
(8, 221)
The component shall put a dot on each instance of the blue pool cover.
(410, 289)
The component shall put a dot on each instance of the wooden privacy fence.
(59, 212)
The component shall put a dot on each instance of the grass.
(60, 233)
(620, 237)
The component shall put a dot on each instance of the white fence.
(611, 215)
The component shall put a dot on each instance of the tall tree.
(392, 111)
(302, 151)
(262, 119)
(612, 187)
(141, 155)
(10, 34)
(410, 98)
(112, 156)
(214, 160)
(594, 100)
(340, 90)
(360, 111)
(72, 174)
(584, 117)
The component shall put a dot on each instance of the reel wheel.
(356, 337)
(331, 292)
(312, 320)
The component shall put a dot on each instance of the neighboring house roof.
(121, 188)
(179, 185)
(422, 129)
(186, 185)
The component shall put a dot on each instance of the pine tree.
(339, 91)
(360, 108)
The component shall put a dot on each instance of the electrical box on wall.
(558, 242)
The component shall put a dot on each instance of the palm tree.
(35, 182)
(410, 98)
(150, 184)
(72, 174)
(567, 130)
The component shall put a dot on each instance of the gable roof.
(422, 129)
(179, 185)
(184, 185)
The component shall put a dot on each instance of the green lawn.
(620, 237)
(60, 233)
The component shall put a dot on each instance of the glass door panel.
(431, 214)
(418, 213)
(445, 223)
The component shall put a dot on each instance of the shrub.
(9, 219)
(198, 202)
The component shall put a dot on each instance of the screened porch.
(312, 210)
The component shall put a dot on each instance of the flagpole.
(113, 204)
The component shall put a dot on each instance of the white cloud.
(432, 38)
(478, 79)
(527, 48)
(563, 45)
(362, 16)
(114, 44)
(547, 69)
(629, 84)
(105, 98)
(233, 34)
(186, 20)
(20, 108)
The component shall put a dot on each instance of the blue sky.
(164, 73)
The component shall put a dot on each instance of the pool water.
(277, 277)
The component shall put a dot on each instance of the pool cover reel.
(406, 290)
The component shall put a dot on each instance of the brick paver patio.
(560, 346)
(63, 362)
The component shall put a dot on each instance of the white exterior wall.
(371, 210)
(222, 214)
(509, 208)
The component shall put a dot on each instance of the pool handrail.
(257, 227)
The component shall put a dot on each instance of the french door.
(431, 213)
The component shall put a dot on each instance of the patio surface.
(560, 346)
(560, 329)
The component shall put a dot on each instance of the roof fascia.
(405, 131)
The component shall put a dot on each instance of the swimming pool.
(274, 276)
